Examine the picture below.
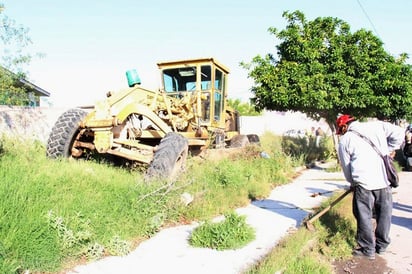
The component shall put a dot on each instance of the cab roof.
(188, 62)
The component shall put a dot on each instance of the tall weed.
(307, 150)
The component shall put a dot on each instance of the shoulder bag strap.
(369, 141)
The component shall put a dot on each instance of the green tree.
(245, 109)
(11, 90)
(323, 70)
(14, 40)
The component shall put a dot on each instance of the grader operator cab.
(155, 128)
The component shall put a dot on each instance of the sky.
(89, 45)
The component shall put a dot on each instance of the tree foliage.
(244, 109)
(13, 41)
(323, 70)
(11, 90)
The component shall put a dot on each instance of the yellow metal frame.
(167, 113)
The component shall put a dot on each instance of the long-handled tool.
(309, 223)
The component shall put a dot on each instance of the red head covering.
(343, 120)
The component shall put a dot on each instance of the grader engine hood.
(143, 112)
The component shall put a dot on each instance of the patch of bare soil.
(362, 265)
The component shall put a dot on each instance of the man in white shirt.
(364, 169)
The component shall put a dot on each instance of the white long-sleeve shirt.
(360, 163)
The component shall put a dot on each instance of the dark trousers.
(368, 204)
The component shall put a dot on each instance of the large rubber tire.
(253, 139)
(239, 141)
(64, 133)
(170, 157)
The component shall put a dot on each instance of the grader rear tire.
(253, 139)
(239, 141)
(170, 157)
(64, 133)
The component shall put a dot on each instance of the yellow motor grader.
(155, 128)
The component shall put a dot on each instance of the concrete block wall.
(28, 122)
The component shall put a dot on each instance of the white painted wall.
(279, 122)
(37, 122)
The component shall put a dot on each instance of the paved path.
(399, 253)
(285, 209)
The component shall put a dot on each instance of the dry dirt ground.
(363, 265)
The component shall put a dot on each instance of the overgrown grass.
(306, 151)
(231, 233)
(54, 213)
(316, 251)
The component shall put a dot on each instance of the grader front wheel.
(170, 157)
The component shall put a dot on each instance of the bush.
(231, 233)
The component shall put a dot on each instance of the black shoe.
(359, 252)
(381, 251)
